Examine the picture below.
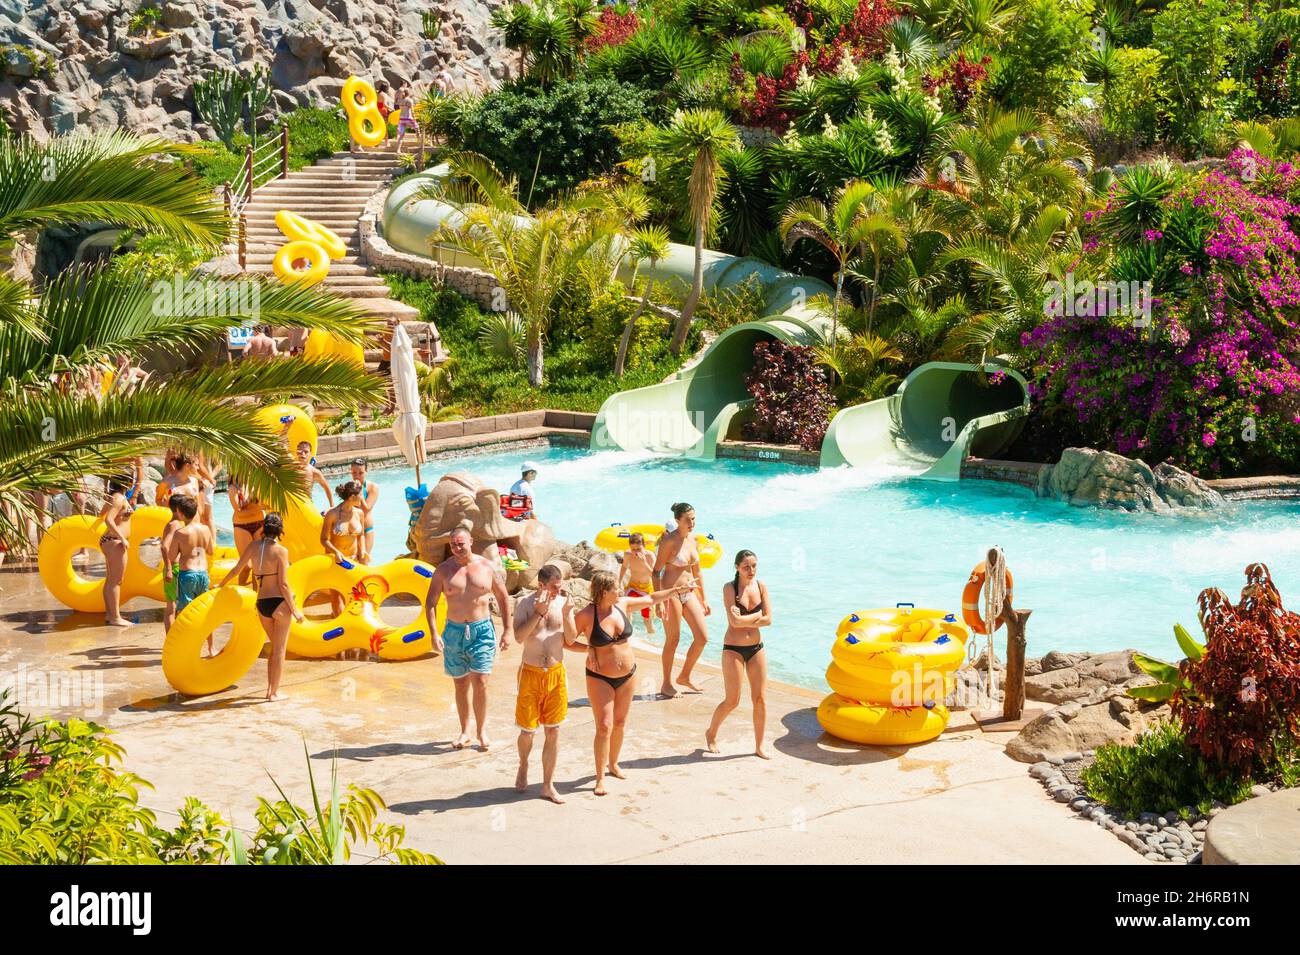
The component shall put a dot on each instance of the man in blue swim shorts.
(468, 642)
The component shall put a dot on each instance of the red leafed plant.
(615, 29)
(959, 79)
(765, 107)
(792, 398)
(865, 33)
(1245, 711)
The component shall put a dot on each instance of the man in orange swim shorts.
(544, 625)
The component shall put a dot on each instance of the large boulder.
(1086, 477)
(462, 500)
(1074, 727)
(1064, 677)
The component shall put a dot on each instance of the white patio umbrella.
(410, 424)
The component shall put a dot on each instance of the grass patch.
(313, 134)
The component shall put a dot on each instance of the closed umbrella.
(410, 424)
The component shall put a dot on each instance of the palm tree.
(698, 137)
(533, 260)
(841, 230)
(646, 244)
(550, 37)
(53, 429)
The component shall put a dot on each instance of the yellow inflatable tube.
(880, 725)
(359, 625)
(295, 424)
(285, 267)
(365, 122)
(613, 539)
(301, 229)
(184, 660)
(321, 344)
(900, 688)
(71, 534)
(871, 641)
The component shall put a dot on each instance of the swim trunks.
(635, 591)
(169, 586)
(468, 647)
(189, 584)
(543, 697)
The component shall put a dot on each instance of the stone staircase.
(332, 192)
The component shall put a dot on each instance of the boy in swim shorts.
(638, 567)
(544, 624)
(188, 549)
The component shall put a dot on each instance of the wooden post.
(284, 150)
(248, 172)
(1013, 693)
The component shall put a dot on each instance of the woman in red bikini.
(611, 665)
(743, 658)
(269, 561)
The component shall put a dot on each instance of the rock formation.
(1088, 478)
(77, 64)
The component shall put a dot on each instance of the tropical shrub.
(558, 134)
(1038, 64)
(1196, 38)
(722, 309)
(1160, 772)
(1245, 712)
(609, 313)
(792, 400)
(1135, 101)
(1209, 380)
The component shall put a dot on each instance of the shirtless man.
(262, 345)
(188, 548)
(544, 625)
(468, 643)
(311, 474)
(169, 569)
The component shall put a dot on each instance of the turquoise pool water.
(830, 542)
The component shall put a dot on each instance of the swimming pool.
(830, 542)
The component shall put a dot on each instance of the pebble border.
(1160, 838)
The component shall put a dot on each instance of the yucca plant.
(53, 428)
(288, 835)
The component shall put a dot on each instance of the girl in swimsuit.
(748, 608)
(343, 532)
(269, 561)
(678, 560)
(114, 543)
(369, 500)
(247, 519)
(611, 665)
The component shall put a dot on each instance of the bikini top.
(260, 577)
(599, 638)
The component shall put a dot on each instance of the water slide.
(942, 412)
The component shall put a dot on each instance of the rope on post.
(995, 595)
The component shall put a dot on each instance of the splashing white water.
(596, 465)
(809, 490)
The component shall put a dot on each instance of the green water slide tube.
(692, 412)
(942, 412)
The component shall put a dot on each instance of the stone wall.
(379, 255)
(109, 77)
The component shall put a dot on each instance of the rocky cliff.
(76, 64)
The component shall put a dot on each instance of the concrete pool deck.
(958, 799)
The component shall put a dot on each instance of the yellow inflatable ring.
(321, 344)
(359, 626)
(71, 534)
(613, 539)
(284, 263)
(368, 129)
(296, 424)
(899, 639)
(302, 524)
(901, 688)
(880, 725)
(300, 229)
(183, 661)
(354, 86)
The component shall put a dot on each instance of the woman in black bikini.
(269, 561)
(748, 608)
(611, 665)
(115, 543)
